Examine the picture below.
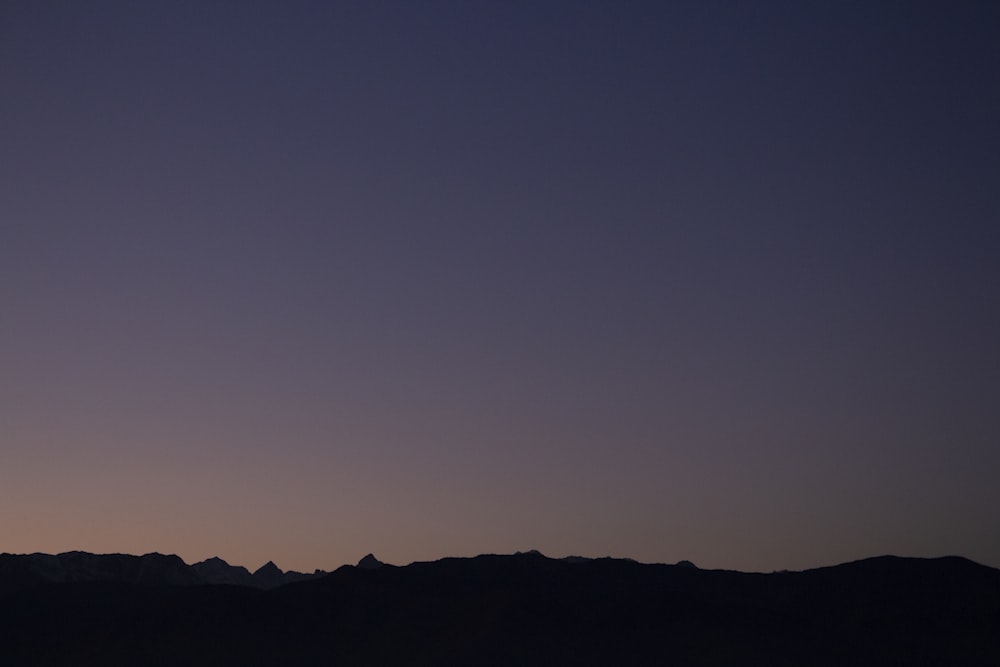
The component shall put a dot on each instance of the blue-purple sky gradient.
(304, 280)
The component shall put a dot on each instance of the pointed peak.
(268, 568)
(369, 562)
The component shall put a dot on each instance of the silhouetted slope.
(27, 571)
(526, 610)
(529, 608)
(268, 576)
(20, 571)
(369, 562)
(217, 571)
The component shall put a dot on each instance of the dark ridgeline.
(524, 609)
(22, 571)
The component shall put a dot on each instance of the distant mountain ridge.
(153, 569)
(520, 609)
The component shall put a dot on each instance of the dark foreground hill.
(524, 609)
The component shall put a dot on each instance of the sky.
(299, 281)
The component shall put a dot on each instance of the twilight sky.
(303, 280)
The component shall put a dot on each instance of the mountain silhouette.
(369, 562)
(217, 571)
(25, 571)
(19, 571)
(268, 575)
(523, 609)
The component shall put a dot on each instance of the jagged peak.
(268, 568)
(369, 562)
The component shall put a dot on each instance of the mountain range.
(19, 571)
(521, 609)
